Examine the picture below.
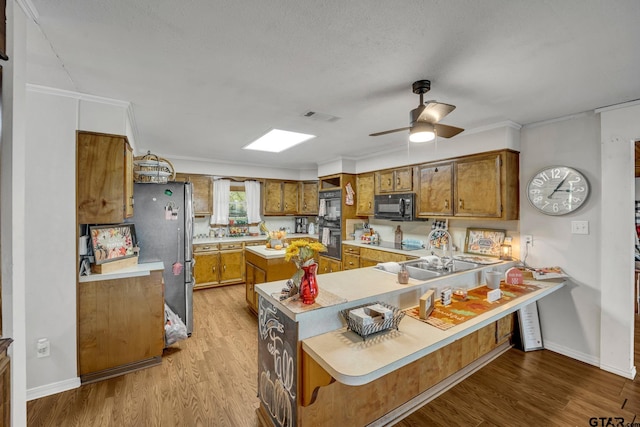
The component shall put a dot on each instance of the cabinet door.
(231, 266)
(435, 191)
(128, 180)
(206, 269)
(255, 275)
(272, 197)
(477, 186)
(309, 198)
(101, 161)
(385, 181)
(290, 198)
(120, 321)
(365, 191)
(403, 179)
(202, 195)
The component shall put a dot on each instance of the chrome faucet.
(444, 265)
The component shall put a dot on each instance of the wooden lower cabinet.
(328, 265)
(263, 270)
(120, 325)
(350, 257)
(324, 402)
(371, 257)
(218, 264)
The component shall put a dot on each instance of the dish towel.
(326, 233)
(391, 267)
(322, 209)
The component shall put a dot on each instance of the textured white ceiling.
(207, 77)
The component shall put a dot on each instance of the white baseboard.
(565, 351)
(591, 360)
(53, 388)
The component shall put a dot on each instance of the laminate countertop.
(143, 269)
(352, 361)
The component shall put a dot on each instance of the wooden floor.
(210, 380)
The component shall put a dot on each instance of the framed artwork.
(438, 235)
(112, 242)
(484, 241)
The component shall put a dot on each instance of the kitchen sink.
(416, 272)
(457, 266)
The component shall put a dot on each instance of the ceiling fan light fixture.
(422, 132)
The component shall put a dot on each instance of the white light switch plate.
(579, 227)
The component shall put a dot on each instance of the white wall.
(53, 117)
(50, 239)
(619, 131)
(13, 159)
(570, 318)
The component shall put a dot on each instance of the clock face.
(557, 190)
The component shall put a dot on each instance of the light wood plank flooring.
(210, 380)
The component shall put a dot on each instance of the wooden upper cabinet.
(477, 186)
(309, 198)
(280, 197)
(104, 178)
(487, 185)
(435, 190)
(398, 180)
(272, 197)
(365, 190)
(202, 192)
(290, 198)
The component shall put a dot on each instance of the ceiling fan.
(424, 119)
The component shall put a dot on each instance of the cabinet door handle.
(460, 204)
(224, 267)
(132, 201)
(446, 203)
(350, 263)
(369, 205)
(398, 181)
(213, 269)
(389, 182)
(206, 248)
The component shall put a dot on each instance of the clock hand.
(557, 188)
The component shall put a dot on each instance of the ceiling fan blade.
(434, 112)
(389, 131)
(446, 131)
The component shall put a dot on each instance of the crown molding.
(77, 95)
(618, 106)
(29, 9)
(499, 125)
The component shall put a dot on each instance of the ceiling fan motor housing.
(421, 86)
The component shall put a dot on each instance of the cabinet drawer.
(231, 245)
(205, 247)
(348, 249)
(351, 262)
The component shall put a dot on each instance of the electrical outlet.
(527, 239)
(43, 348)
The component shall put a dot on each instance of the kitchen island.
(313, 371)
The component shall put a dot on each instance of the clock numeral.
(537, 182)
(578, 190)
(535, 191)
(537, 199)
(555, 207)
(555, 173)
(576, 199)
(575, 180)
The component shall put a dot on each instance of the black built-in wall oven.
(329, 222)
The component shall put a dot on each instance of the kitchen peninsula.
(312, 371)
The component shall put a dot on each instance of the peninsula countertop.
(352, 361)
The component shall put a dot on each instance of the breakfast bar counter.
(311, 365)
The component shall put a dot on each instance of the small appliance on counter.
(302, 224)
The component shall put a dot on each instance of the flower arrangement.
(302, 252)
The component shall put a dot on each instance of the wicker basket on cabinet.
(152, 169)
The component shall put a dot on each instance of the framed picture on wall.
(484, 241)
(112, 242)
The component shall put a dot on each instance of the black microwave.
(396, 207)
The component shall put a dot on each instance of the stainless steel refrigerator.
(163, 218)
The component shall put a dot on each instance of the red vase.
(309, 284)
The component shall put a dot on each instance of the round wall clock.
(557, 190)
